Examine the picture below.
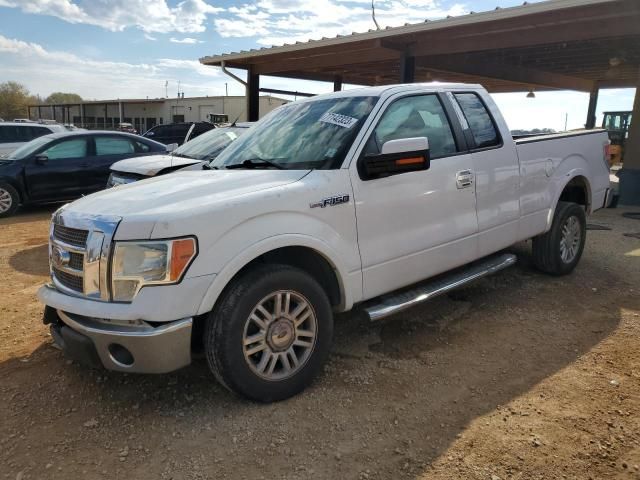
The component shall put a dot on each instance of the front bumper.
(134, 346)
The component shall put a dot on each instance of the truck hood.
(151, 165)
(162, 197)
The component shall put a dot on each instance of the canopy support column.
(407, 68)
(593, 103)
(630, 173)
(337, 83)
(253, 96)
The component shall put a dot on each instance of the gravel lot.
(519, 375)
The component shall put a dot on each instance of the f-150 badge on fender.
(331, 201)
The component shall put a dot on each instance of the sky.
(104, 49)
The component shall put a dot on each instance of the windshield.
(28, 148)
(311, 134)
(209, 145)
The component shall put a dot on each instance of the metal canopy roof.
(558, 44)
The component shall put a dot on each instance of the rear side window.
(113, 146)
(8, 134)
(142, 147)
(39, 131)
(480, 123)
(76, 148)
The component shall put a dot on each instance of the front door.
(60, 172)
(417, 224)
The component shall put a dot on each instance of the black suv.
(178, 132)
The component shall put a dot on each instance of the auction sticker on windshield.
(340, 120)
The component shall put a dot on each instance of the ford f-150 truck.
(379, 197)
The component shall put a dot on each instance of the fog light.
(121, 355)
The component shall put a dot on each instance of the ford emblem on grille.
(60, 257)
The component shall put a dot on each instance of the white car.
(194, 153)
(15, 134)
(332, 202)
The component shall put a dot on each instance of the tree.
(14, 98)
(60, 97)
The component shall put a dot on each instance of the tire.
(558, 251)
(258, 369)
(9, 200)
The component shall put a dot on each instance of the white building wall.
(146, 114)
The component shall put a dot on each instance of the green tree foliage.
(14, 98)
(61, 97)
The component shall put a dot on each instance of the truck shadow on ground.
(392, 398)
(32, 261)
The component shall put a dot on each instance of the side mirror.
(149, 134)
(42, 159)
(171, 147)
(397, 156)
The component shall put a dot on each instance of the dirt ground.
(518, 376)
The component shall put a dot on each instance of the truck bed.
(545, 160)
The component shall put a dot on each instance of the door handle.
(464, 179)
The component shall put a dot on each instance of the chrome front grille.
(76, 261)
(79, 248)
(69, 280)
(71, 236)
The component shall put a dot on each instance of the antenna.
(373, 14)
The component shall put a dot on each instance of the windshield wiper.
(256, 163)
(208, 166)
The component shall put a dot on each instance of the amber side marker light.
(410, 161)
(182, 252)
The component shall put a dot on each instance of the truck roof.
(397, 88)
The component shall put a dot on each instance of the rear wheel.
(559, 250)
(270, 333)
(9, 200)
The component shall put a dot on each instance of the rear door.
(495, 169)
(108, 150)
(61, 175)
(417, 224)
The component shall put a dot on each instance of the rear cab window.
(481, 125)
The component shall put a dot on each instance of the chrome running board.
(397, 302)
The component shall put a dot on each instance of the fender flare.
(231, 268)
(562, 183)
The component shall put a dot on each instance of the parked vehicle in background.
(64, 166)
(218, 118)
(178, 132)
(325, 203)
(126, 127)
(195, 153)
(72, 128)
(15, 134)
(23, 120)
(617, 124)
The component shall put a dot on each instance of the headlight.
(115, 180)
(153, 262)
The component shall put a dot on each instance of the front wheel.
(9, 200)
(270, 333)
(559, 250)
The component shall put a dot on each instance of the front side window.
(76, 148)
(480, 123)
(302, 135)
(415, 116)
(113, 146)
(8, 134)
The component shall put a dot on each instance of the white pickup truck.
(360, 197)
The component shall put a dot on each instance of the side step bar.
(394, 303)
